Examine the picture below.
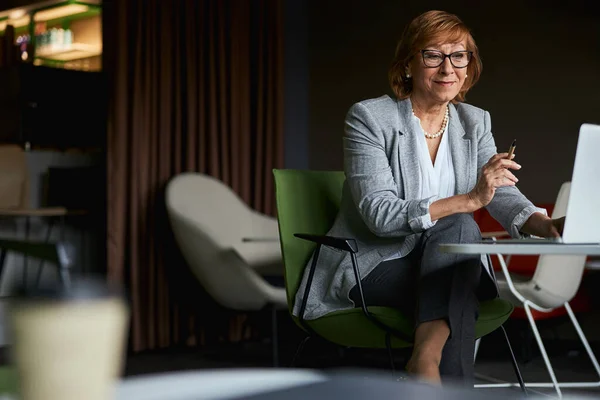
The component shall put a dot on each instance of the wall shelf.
(65, 34)
(75, 51)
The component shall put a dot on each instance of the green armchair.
(307, 204)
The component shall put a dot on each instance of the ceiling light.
(59, 12)
(17, 23)
(17, 14)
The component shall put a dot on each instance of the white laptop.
(582, 219)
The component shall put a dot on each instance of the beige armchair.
(229, 247)
(14, 186)
(14, 195)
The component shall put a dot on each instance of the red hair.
(432, 27)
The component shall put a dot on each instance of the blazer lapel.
(460, 148)
(407, 146)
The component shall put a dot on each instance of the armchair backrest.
(211, 205)
(558, 275)
(14, 177)
(307, 202)
(209, 222)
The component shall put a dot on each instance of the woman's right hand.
(494, 174)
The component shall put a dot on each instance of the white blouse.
(437, 179)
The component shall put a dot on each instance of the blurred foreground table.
(288, 384)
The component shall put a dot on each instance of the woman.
(417, 166)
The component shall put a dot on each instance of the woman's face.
(437, 85)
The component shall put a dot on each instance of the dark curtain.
(9, 52)
(194, 86)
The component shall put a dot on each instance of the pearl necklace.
(438, 133)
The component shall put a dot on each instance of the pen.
(511, 150)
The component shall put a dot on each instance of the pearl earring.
(466, 75)
(407, 75)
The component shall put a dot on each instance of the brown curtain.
(194, 86)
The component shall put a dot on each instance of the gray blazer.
(380, 206)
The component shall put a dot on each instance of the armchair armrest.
(33, 212)
(345, 244)
(260, 239)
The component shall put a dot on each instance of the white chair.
(228, 246)
(555, 282)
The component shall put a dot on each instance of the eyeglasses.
(435, 58)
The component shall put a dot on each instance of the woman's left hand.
(558, 225)
(540, 225)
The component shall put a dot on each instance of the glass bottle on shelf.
(40, 37)
(68, 38)
(53, 39)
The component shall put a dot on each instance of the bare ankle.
(430, 338)
(427, 355)
(425, 367)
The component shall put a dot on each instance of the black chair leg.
(46, 240)
(514, 362)
(388, 345)
(299, 350)
(274, 337)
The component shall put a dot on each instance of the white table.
(215, 384)
(287, 384)
(521, 248)
(218, 384)
(497, 247)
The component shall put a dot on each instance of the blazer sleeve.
(371, 182)
(509, 206)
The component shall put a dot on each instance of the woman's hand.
(494, 174)
(559, 225)
(553, 228)
(540, 225)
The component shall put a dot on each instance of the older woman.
(417, 166)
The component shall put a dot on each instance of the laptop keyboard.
(528, 240)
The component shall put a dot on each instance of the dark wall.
(51, 107)
(296, 84)
(541, 76)
(10, 4)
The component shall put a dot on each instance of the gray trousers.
(433, 285)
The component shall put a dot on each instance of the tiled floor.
(566, 368)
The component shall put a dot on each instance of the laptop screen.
(582, 223)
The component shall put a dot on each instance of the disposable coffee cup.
(68, 342)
